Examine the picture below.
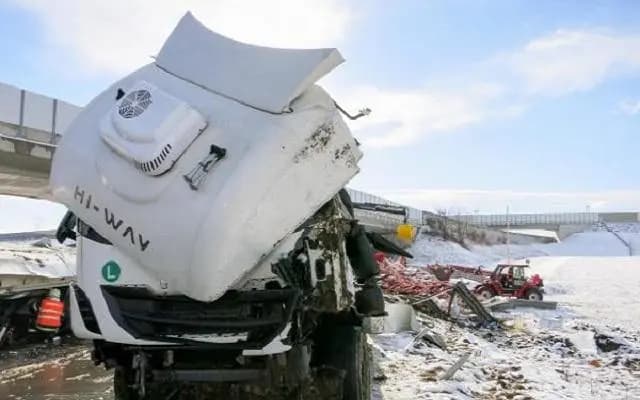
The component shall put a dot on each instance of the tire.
(534, 295)
(370, 301)
(484, 293)
(357, 382)
(346, 348)
(121, 388)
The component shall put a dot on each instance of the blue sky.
(476, 104)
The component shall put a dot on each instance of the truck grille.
(256, 317)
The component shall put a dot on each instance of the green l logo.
(111, 271)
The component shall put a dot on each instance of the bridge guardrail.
(414, 215)
(585, 218)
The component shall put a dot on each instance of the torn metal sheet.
(518, 303)
(461, 291)
(455, 367)
(24, 266)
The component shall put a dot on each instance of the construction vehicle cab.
(511, 280)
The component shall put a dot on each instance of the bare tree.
(462, 226)
(443, 221)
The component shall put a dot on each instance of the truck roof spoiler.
(228, 68)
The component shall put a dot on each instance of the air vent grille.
(152, 165)
(135, 103)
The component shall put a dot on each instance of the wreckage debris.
(471, 301)
(515, 303)
(423, 288)
(430, 307)
(606, 343)
(397, 278)
(448, 272)
(455, 367)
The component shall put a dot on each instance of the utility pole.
(508, 238)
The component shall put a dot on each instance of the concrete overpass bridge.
(564, 224)
(30, 127)
(541, 221)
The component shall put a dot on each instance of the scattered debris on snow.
(587, 348)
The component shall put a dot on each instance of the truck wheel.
(534, 294)
(346, 348)
(484, 293)
(357, 382)
(121, 388)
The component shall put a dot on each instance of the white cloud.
(574, 60)
(401, 117)
(496, 201)
(118, 36)
(556, 64)
(630, 107)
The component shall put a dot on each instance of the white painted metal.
(262, 77)
(24, 267)
(151, 128)
(202, 242)
(28, 260)
(92, 256)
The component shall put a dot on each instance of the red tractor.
(511, 281)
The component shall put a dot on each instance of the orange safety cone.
(50, 312)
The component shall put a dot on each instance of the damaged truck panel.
(217, 247)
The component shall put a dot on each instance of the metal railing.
(414, 215)
(585, 218)
(33, 114)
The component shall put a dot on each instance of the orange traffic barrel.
(50, 312)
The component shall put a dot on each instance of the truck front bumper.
(239, 320)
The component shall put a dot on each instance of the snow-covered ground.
(626, 227)
(530, 361)
(603, 290)
(435, 250)
(543, 354)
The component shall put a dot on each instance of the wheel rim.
(485, 294)
(534, 296)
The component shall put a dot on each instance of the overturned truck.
(217, 249)
(34, 280)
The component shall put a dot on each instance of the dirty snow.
(541, 354)
(53, 372)
(522, 363)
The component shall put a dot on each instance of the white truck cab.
(217, 248)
